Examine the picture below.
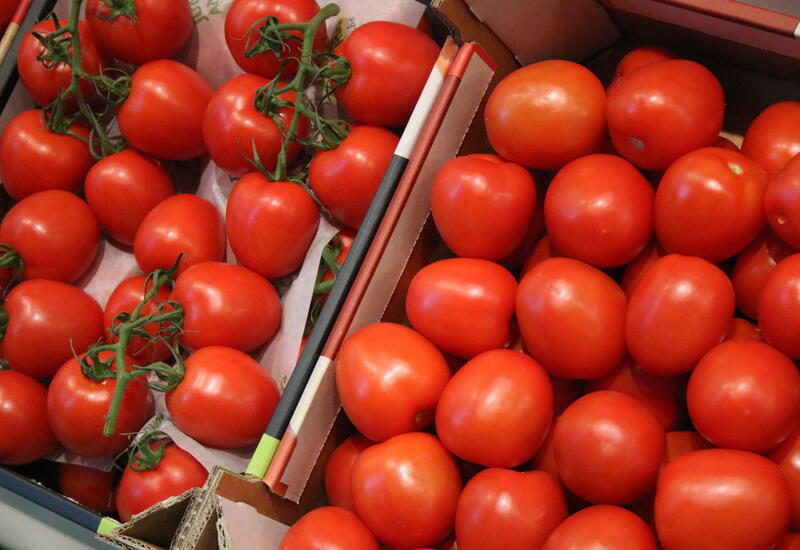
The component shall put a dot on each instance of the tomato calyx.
(146, 452)
(328, 263)
(120, 8)
(11, 260)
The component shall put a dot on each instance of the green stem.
(120, 8)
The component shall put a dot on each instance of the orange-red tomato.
(753, 266)
(779, 307)
(544, 250)
(787, 456)
(782, 202)
(90, 487)
(741, 329)
(635, 270)
(606, 527)
(330, 528)
(23, 419)
(773, 138)
(338, 469)
(640, 57)
(681, 443)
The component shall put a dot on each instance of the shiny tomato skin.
(741, 329)
(90, 487)
(782, 202)
(23, 419)
(389, 379)
(681, 443)
(346, 177)
(270, 224)
(599, 209)
(653, 121)
(47, 321)
(501, 509)
(546, 114)
(710, 204)
(636, 269)
(721, 498)
(77, 407)
(779, 306)
(185, 224)
(159, 30)
(383, 54)
(225, 399)
(602, 527)
(177, 472)
(609, 448)
(122, 189)
(423, 481)
(463, 305)
(572, 318)
(787, 456)
(753, 266)
(640, 57)
(163, 114)
(329, 528)
(682, 307)
(773, 138)
(33, 159)
(338, 469)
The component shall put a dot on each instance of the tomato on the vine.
(23, 419)
(88, 486)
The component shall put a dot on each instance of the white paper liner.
(246, 528)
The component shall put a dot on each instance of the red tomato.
(753, 266)
(389, 380)
(330, 528)
(599, 209)
(90, 487)
(464, 306)
(779, 306)
(33, 159)
(345, 178)
(782, 202)
(503, 509)
(77, 408)
(47, 322)
(157, 29)
(572, 317)
(241, 33)
(791, 541)
(681, 443)
(773, 138)
(185, 224)
(233, 128)
(534, 234)
(744, 395)
(122, 189)
(546, 114)
(163, 114)
(635, 270)
(45, 83)
(270, 224)
(641, 57)
(177, 472)
(390, 64)
(609, 448)
(225, 399)
(545, 458)
(681, 308)
(544, 250)
(423, 481)
(710, 203)
(23, 419)
(744, 330)
(721, 498)
(653, 121)
(787, 456)
(338, 468)
(7, 9)
(602, 527)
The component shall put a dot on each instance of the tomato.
(721, 498)
(744, 330)
(658, 393)
(338, 469)
(240, 33)
(502, 509)
(234, 131)
(636, 269)
(390, 64)
(45, 83)
(77, 408)
(33, 159)
(330, 528)
(640, 57)
(609, 448)
(158, 29)
(182, 224)
(681, 308)
(782, 202)
(773, 138)
(496, 409)
(389, 379)
(423, 481)
(122, 189)
(791, 541)
(779, 306)
(572, 318)
(7, 9)
(544, 250)
(346, 238)
(177, 472)
(787, 456)
(345, 178)
(225, 399)
(545, 457)
(599, 209)
(226, 305)
(546, 114)
(753, 266)
(710, 203)
(47, 321)
(270, 224)
(464, 306)
(90, 487)
(653, 121)
(681, 443)
(23, 419)
(163, 114)
(602, 527)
